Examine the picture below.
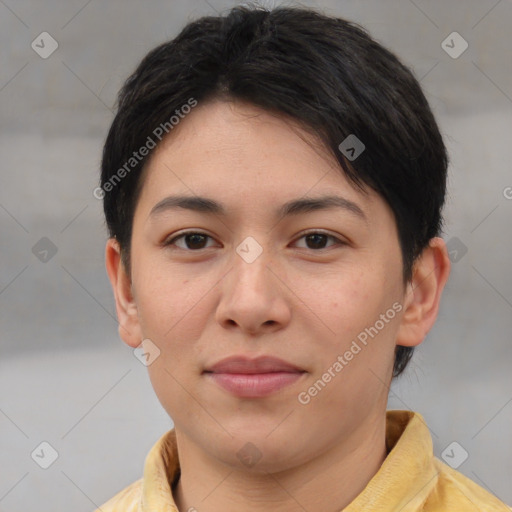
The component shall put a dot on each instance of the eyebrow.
(294, 207)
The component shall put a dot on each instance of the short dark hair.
(325, 72)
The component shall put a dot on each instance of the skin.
(302, 302)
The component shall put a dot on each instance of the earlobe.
(127, 314)
(423, 296)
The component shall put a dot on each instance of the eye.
(317, 239)
(194, 240)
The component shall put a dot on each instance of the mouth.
(253, 378)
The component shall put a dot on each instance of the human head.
(327, 74)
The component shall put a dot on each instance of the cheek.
(164, 296)
(173, 312)
(343, 301)
(349, 305)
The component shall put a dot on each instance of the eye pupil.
(317, 238)
(194, 237)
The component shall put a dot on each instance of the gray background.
(67, 378)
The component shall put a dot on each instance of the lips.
(253, 378)
(245, 365)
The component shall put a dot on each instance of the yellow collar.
(404, 481)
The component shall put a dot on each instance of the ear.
(129, 327)
(421, 303)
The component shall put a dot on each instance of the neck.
(329, 481)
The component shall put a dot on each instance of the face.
(319, 288)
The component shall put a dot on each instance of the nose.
(254, 298)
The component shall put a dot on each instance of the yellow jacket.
(410, 479)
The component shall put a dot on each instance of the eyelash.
(172, 241)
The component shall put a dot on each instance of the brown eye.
(193, 240)
(316, 240)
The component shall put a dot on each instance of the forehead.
(239, 152)
(239, 132)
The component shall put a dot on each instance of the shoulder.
(126, 500)
(456, 491)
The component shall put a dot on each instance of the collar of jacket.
(404, 481)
